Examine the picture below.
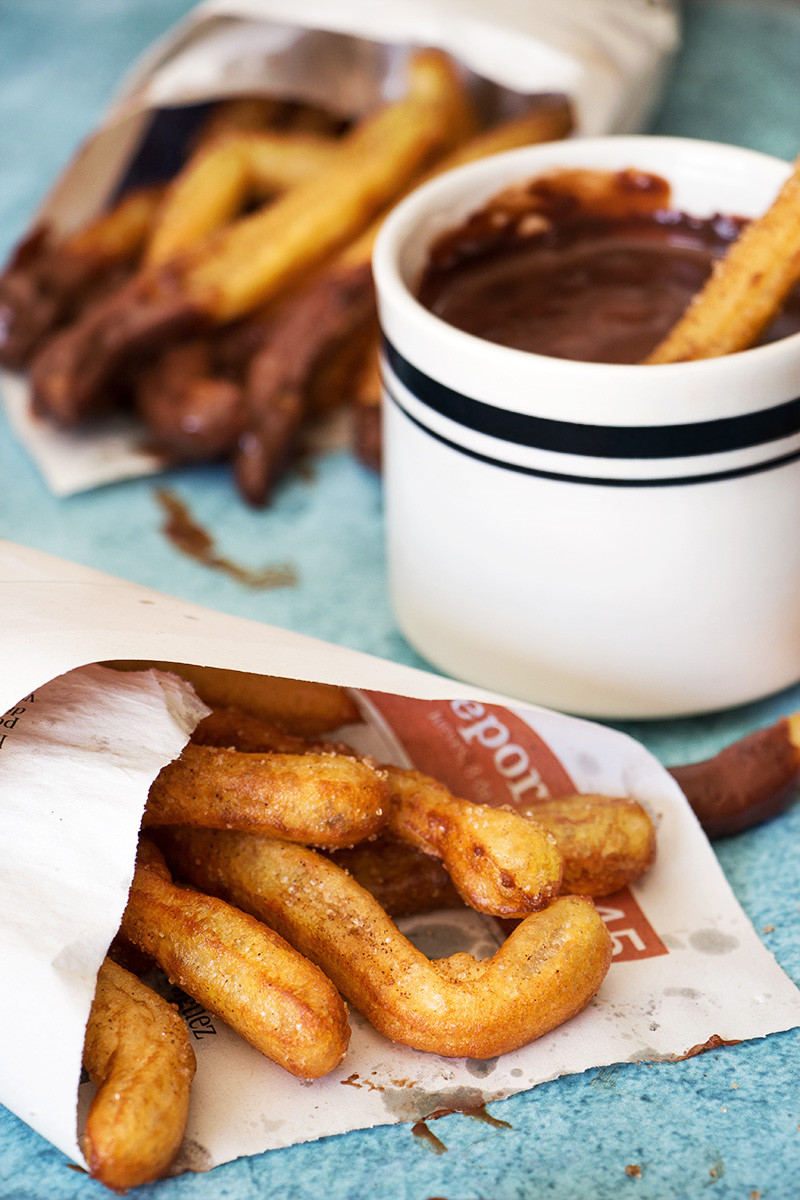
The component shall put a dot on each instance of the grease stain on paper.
(409, 1103)
(418, 1104)
(192, 1156)
(713, 941)
(481, 1067)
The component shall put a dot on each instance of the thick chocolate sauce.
(584, 265)
(191, 539)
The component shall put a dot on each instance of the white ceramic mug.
(613, 540)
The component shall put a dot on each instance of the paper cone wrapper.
(80, 745)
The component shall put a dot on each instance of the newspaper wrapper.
(79, 745)
(609, 56)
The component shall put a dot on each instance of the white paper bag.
(609, 56)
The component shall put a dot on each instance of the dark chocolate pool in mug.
(578, 264)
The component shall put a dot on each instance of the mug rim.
(732, 378)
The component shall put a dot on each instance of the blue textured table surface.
(725, 1124)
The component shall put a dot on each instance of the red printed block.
(632, 935)
(480, 752)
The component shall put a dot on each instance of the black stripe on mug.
(596, 480)
(597, 441)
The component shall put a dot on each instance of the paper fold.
(78, 756)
